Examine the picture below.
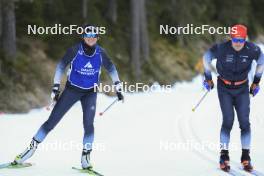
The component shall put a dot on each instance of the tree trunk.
(1, 23)
(111, 13)
(9, 28)
(135, 37)
(84, 11)
(1, 46)
(144, 31)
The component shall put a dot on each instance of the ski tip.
(193, 109)
(15, 166)
(100, 114)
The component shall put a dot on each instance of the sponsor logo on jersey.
(229, 58)
(88, 65)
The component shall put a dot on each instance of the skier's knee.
(245, 126)
(227, 127)
(88, 123)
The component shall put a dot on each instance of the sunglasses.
(238, 40)
(90, 35)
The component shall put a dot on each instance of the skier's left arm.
(254, 88)
(260, 67)
(112, 71)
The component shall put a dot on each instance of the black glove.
(120, 96)
(55, 93)
(118, 87)
(254, 88)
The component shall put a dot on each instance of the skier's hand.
(208, 84)
(120, 96)
(254, 89)
(118, 88)
(55, 93)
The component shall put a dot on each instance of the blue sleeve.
(207, 60)
(260, 65)
(64, 62)
(109, 66)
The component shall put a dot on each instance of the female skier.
(85, 59)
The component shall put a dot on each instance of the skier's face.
(238, 43)
(90, 41)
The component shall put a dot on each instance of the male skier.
(234, 59)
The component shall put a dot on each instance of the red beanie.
(239, 31)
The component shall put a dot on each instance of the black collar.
(88, 50)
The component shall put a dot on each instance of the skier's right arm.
(64, 62)
(208, 56)
(60, 70)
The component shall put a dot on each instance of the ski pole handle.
(200, 101)
(108, 107)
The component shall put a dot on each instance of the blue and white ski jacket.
(85, 66)
(234, 65)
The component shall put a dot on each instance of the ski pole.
(108, 107)
(200, 101)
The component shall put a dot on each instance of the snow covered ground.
(153, 134)
(150, 134)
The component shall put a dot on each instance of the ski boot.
(224, 161)
(246, 160)
(85, 160)
(27, 153)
